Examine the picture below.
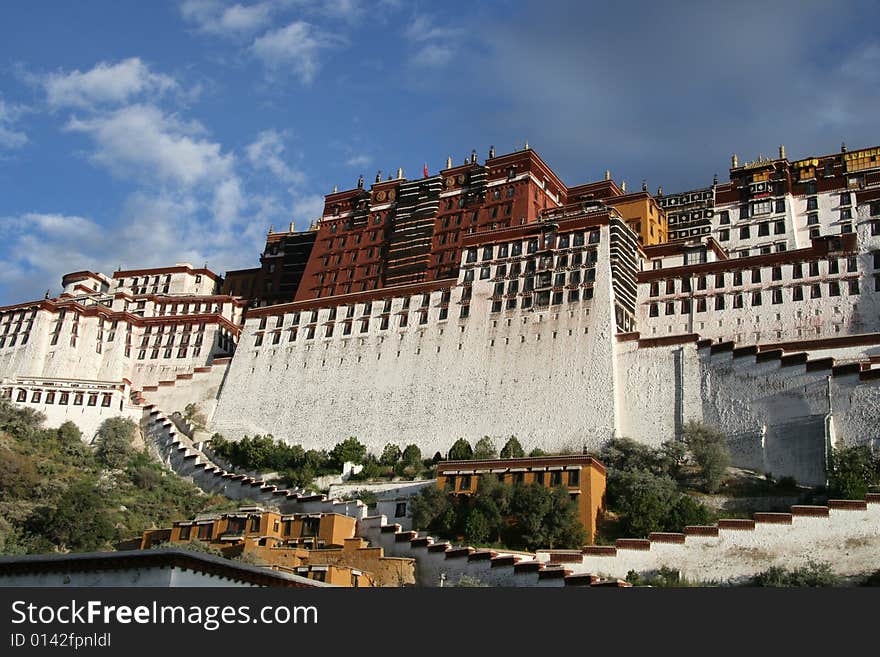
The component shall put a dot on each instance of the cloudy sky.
(136, 134)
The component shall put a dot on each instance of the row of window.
(555, 478)
(63, 398)
(700, 304)
(513, 249)
(756, 276)
(542, 299)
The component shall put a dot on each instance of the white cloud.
(267, 151)
(144, 142)
(307, 207)
(436, 44)
(236, 20)
(296, 46)
(359, 160)
(105, 83)
(10, 136)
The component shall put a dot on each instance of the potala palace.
(492, 299)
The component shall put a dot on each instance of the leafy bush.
(851, 471)
(813, 574)
(20, 421)
(114, 439)
(79, 521)
(708, 446)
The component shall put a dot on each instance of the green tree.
(485, 449)
(390, 455)
(537, 452)
(18, 475)
(851, 471)
(430, 505)
(512, 449)
(349, 450)
(79, 521)
(412, 456)
(708, 446)
(69, 433)
(641, 499)
(114, 441)
(20, 421)
(476, 527)
(461, 450)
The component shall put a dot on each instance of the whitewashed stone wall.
(545, 375)
(847, 538)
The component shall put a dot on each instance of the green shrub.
(852, 470)
(708, 446)
(113, 442)
(461, 450)
(812, 575)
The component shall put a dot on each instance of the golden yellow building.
(643, 214)
(582, 475)
(320, 546)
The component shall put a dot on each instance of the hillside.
(59, 494)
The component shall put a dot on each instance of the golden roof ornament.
(449, 162)
(400, 173)
(734, 161)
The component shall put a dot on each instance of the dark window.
(400, 510)
(797, 293)
(574, 477)
(744, 233)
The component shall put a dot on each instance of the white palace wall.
(545, 375)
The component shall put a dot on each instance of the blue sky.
(138, 134)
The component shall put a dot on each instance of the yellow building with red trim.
(582, 475)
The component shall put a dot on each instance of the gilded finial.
(271, 228)
(335, 189)
(734, 161)
(361, 181)
(843, 147)
(400, 173)
(715, 179)
(491, 152)
(379, 176)
(659, 190)
(449, 162)
(291, 226)
(526, 147)
(607, 174)
(781, 151)
(474, 156)
(623, 186)
(644, 185)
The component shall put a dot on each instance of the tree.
(537, 452)
(412, 456)
(114, 441)
(69, 433)
(461, 450)
(349, 450)
(851, 471)
(390, 455)
(19, 421)
(641, 499)
(476, 527)
(79, 521)
(485, 449)
(428, 507)
(512, 449)
(708, 446)
(194, 416)
(18, 475)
